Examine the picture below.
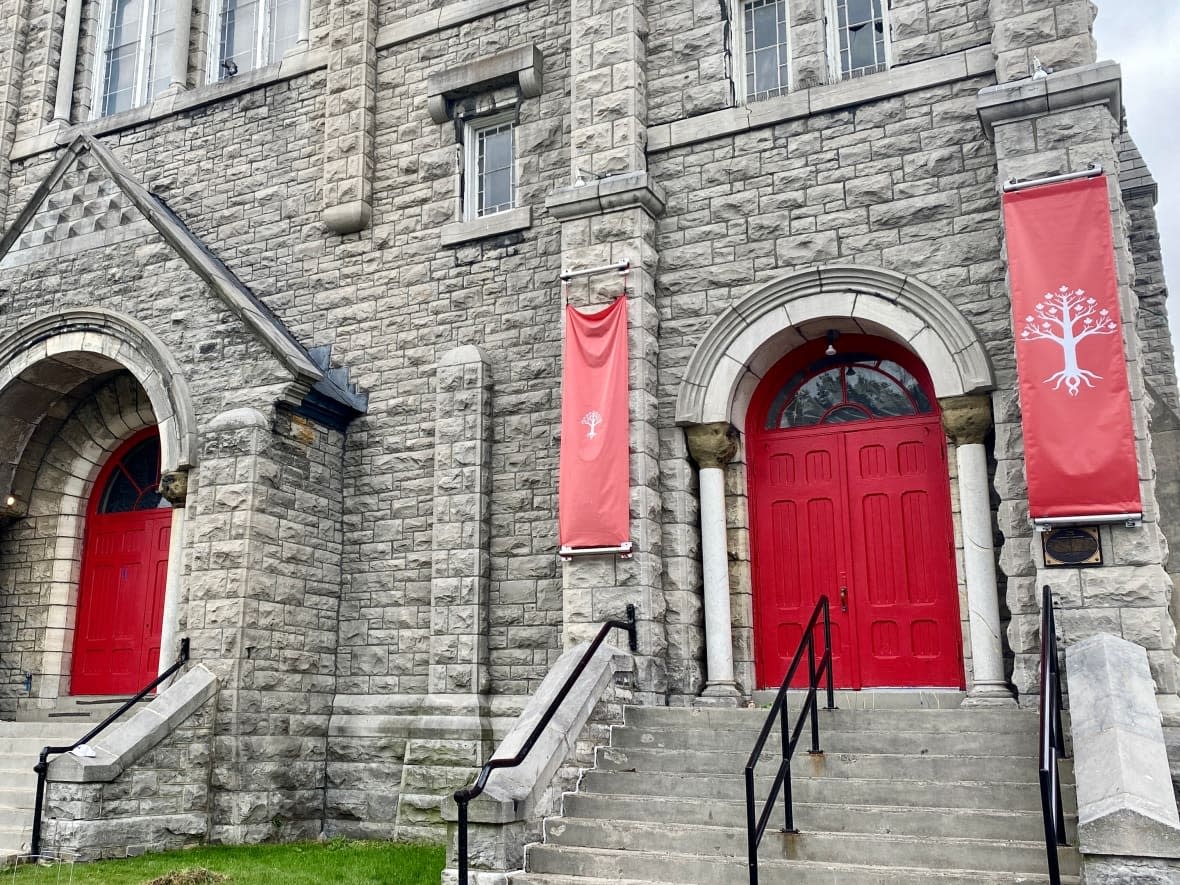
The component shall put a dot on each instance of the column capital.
(966, 419)
(712, 445)
(174, 486)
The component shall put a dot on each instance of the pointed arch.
(749, 337)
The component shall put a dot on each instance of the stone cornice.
(630, 189)
(1099, 84)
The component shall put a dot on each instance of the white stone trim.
(127, 342)
(749, 338)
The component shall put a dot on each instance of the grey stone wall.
(1151, 289)
(162, 802)
(904, 183)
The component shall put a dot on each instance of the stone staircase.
(901, 797)
(20, 744)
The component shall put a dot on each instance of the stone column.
(174, 490)
(712, 446)
(967, 420)
(1047, 126)
(350, 123)
(609, 215)
(180, 39)
(67, 65)
(461, 567)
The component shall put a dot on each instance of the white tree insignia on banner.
(1067, 317)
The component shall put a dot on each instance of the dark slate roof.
(1133, 171)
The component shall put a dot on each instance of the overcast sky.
(1141, 36)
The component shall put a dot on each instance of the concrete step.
(609, 865)
(978, 769)
(861, 791)
(997, 720)
(821, 817)
(953, 743)
(949, 852)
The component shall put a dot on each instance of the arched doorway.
(849, 497)
(124, 573)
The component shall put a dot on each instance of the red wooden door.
(850, 498)
(124, 573)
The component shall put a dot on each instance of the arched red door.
(849, 497)
(124, 572)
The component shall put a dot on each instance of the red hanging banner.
(594, 481)
(1079, 442)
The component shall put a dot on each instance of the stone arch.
(750, 337)
(54, 526)
(48, 366)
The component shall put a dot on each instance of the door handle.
(843, 599)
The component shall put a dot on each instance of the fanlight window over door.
(845, 388)
(134, 482)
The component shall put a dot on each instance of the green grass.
(306, 863)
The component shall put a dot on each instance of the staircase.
(20, 744)
(901, 797)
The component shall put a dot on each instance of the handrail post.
(828, 653)
(751, 827)
(811, 694)
(788, 798)
(462, 850)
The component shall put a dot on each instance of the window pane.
(284, 28)
(119, 91)
(847, 387)
(494, 169)
(766, 48)
(861, 33)
(133, 484)
(239, 34)
(160, 59)
(859, 11)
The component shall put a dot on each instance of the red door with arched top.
(850, 497)
(124, 572)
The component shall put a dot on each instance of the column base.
(990, 694)
(719, 694)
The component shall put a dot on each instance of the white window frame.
(472, 128)
(835, 66)
(260, 56)
(141, 92)
(740, 65)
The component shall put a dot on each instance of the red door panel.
(803, 511)
(121, 591)
(903, 593)
(849, 497)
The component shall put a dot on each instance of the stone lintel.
(1097, 84)
(966, 419)
(519, 66)
(623, 191)
(1126, 804)
(712, 445)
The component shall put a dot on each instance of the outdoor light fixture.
(831, 348)
(10, 501)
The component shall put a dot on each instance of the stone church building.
(281, 297)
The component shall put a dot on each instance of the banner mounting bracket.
(1012, 185)
(624, 551)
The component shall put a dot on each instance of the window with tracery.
(134, 482)
(848, 387)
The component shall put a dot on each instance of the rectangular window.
(861, 37)
(764, 25)
(489, 167)
(254, 33)
(136, 53)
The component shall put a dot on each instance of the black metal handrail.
(464, 796)
(756, 823)
(42, 766)
(1052, 738)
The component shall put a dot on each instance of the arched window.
(134, 480)
(847, 387)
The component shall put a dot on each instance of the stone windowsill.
(53, 135)
(490, 226)
(818, 99)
